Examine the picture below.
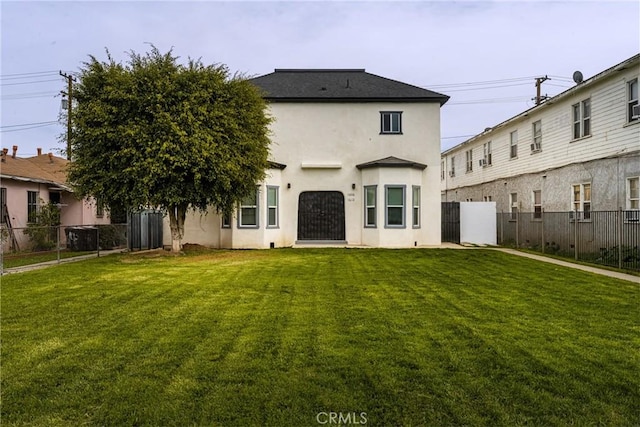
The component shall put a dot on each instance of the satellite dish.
(577, 77)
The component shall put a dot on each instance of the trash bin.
(82, 238)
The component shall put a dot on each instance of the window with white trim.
(32, 206)
(537, 136)
(390, 122)
(633, 193)
(514, 144)
(226, 220)
(452, 169)
(442, 168)
(416, 206)
(487, 153)
(513, 205)
(370, 213)
(486, 198)
(632, 100)
(469, 155)
(272, 207)
(537, 204)
(581, 119)
(248, 212)
(394, 206)
(581, 203)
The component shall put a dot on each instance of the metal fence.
(602, 237)
(29, 245)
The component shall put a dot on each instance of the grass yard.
(286, 337)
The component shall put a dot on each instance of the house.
(27, 183)
(578, 151)
(354, 161)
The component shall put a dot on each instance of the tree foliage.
(152, 132)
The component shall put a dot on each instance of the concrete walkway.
(46, 264)
(596, 270)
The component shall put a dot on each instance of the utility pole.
(539, 81)
(70, 80)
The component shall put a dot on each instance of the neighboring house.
(578, 151)
(355, 160)
(27, 183)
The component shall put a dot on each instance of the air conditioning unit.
(635, 112)
(452, 173)
(535, 147)
(632, 216)
(482, 162)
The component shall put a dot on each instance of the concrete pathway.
(588, 268)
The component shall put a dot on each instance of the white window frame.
(632, 99)
(469, 156)
(225, 220)
(452, 168)
(415, 206)
(633, 200)
(246, 206)
(486, 148)
(581, 114)
(536, 199)
(581, 201)
(273, 207)
(536, 134)
(486, 198)
(513, 147)
(513, 206)
(442, 170)
(394, 125)
(387, 206)
(370, 205)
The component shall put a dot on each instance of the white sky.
(426, 44)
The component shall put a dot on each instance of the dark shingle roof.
(351, 85)
(391, 162)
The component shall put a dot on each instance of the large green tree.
(152, 132)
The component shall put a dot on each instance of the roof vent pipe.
(50, 158)
(15, 151)
(39, 151)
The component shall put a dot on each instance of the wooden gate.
(321, 215)
(450, 222)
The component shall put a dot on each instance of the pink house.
(27, 183)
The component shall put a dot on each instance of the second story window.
(514, 144)
(469, 154)
(487, 154)
(633, 111)
(390, 122)
(581, 119)
(452, 169)
(537, 136)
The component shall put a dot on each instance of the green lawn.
(276, 337)
(28, 258)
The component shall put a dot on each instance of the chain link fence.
(36, 244)
(601, 237)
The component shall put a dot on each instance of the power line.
(29, 83)
(481, 83)
(2, 76)
(28, 95)
(27, 128)
(458, 136)
(29, 124)
(28, 77)
(488, 87)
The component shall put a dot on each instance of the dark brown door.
(321, 215)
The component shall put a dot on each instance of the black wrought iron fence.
(601, 237)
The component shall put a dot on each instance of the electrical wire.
(27, 128)
(29, 124)
(28, 95)
(29, 83)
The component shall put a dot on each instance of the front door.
(321, 215)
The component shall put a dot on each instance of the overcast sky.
(442, 46)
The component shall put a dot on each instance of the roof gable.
(339, 85)
(391, 162)
(44, 168)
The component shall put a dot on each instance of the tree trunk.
(177, 216)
